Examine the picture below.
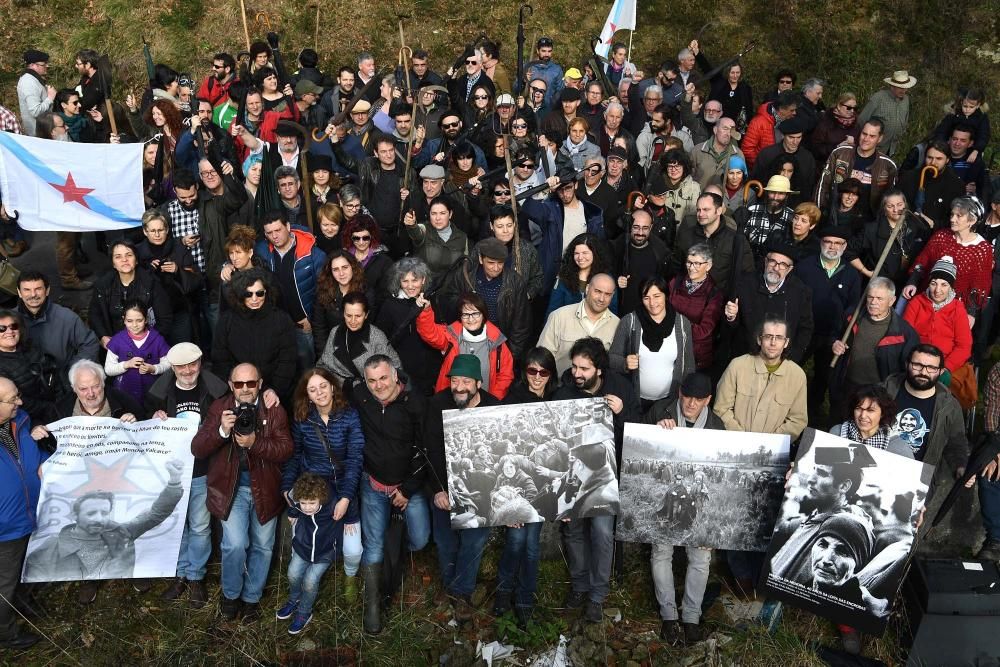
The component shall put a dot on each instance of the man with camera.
(245, 443)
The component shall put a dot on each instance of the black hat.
(32, 56)
(696, 385)
(617, 152)
(656, 185)
(569, 95)
(781, 246)
(836, 231)
(792, 126)
(318, 162)
(287, 128)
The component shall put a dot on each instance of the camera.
(246, 418)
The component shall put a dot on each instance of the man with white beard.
(836, 287)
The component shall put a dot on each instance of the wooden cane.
(878, 267)
(246, 31)
(756, 185)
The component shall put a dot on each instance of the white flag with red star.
(70, 187)
(621, 17)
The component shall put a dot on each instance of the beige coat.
(750, 399)
(568, 324)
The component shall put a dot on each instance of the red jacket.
(946, 329)
(703, 309)
(266, 127)
(446, 338)
(215, 91)
(759, 134)
(272, 448)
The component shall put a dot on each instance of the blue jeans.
(304, 349)
(246, 549)
(303, 581)
(196, 540)
(590, 548)
(459, 553)
(375, 510)
(989, 502)
(518, 568)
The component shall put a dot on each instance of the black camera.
(246, 418)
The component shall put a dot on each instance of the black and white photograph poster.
(533, 462)
(113, 500)
(846, 531)
(697, 488)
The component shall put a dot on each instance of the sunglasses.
(519, 126)
(501, 193)
(850, 108)
(448, 126)
(255, 293)
(540, 372)
(481, 97)
(786, 82)
(13, 326)
(471, 62)
(249, 384)
(525, 166)
(361, 237)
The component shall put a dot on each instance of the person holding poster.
(689, 410)
(20, 458)
(246, 442)
(459, 551)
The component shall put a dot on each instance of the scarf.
(843, 121)
(459, 177)
(682, 420)
(103, 411)
(572, 148)
(879, 439)
(653, 333)
(939, 306)
(691, 286)
(74, 125)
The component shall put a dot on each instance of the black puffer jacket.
(397, 318)
(35, 375)
(264, 338)
(108, 300)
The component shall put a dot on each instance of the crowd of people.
(328, 262)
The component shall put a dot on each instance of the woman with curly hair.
(585, 256)
(682, 191)
(362, 239)
(343, 275)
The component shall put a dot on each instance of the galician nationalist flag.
(621, 17)
(71, 187)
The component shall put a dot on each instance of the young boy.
(313, 547)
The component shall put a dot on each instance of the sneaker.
(574, 600)
(197, 595)
(175, 590)
(594, 613)
(87, 592)
(251, 612)
(990, 550)
(287, 611)
(502, 603)
(229, 609)
(693, 633)
(299, 623)
(851, 641)
(670, 632)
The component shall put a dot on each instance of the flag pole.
(628, 56)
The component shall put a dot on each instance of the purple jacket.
(152, 351)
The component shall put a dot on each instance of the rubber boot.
(370, 574)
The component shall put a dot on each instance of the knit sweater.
(974, 263)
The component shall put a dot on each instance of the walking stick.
(921, 198)
(246, 31)
(316, 34)
(878, 267)
(756, 185)
(405, 55)
(519, 83)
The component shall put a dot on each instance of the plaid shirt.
(991, 400)
(759, 225)
(185, 223)
(9, 122)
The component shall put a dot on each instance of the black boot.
(370, 574)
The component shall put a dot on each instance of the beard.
(772, 278)
(462, 398)
(587, 384)
(64, 137)
(921, 382)
(831, 255)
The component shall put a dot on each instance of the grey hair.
(812, 83)
(685, 53)
(85, 365)
(702, 250)
(389, 79)
(597, 159)
(970, 205)
(285, 172)
(884, 283)
(613, 105)
(655, 88)
(365, 55)
(377, 359)
(350, 192)
(414, 265)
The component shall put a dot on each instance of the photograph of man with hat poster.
(846, 531)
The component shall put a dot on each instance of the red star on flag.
(106, 478)
(614, 27)
(72, 192)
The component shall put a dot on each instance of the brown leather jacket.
(272, 448)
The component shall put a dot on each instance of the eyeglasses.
(448, 126)
(17, 398)
(694, 265)
(214, 66)
(920, 368)
(352, 205)
(480, 97)
(540, 372)
(849, 108)
(786, 82)
(773, 338)
(519, 126)
(74, 103)
(471, 316)
(261, 293)
(675, 165)
(654, 99)
(501, 193)
(361, 237)
(13, 326)
(784, 266)
(470, 61)
(206, 174)
(249, 384)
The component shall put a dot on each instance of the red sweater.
(703, 308)
(974, 264)
(946, 329)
